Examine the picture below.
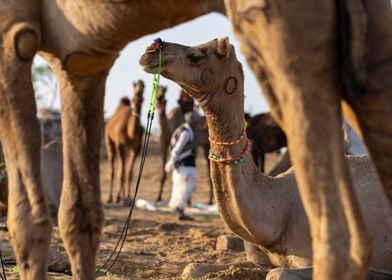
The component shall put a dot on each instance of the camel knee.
(80, 231)
(81, 227)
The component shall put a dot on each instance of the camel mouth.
(149, 63)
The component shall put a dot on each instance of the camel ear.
(224, 47)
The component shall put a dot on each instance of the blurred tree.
(45, 85)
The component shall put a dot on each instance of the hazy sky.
(126, 68)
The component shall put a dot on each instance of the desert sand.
(158, 245)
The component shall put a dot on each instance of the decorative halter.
(235, 159)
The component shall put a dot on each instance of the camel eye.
(194, 58)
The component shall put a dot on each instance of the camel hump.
(125, 101)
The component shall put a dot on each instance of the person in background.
(182, 163)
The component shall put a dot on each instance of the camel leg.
(28, 218)
(110, 151)
(129, 171)
(373, 109)
(80, 213)
(341, 248)
(164, 151)
(121, 151)
(305, 91)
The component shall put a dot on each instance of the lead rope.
(150, 117)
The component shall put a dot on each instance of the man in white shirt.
(183, 164)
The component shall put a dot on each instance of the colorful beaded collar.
(235, 159)
(231, 160)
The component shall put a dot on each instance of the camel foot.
(118, 199)
(159, 199)
(110, 200)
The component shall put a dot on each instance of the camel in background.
(123, 138)
(168, 123)
(266, 211)
(266, 136)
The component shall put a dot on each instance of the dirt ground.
(158, 245)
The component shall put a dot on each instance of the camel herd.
(335, 58)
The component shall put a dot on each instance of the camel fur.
(263, 210)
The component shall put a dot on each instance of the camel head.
(185, 102)
(125, 101)
(210, 73)
(161, 94)
(138, 89)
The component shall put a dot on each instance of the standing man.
(182, 163)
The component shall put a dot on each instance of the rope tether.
(150, 116)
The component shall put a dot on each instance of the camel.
(80, 40)
(168, 124)
(266, 211)
(313, 66)
(123, 136)
(266, 136)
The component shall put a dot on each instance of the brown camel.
(80, 40)
(169, 122)
(308, 63)
(264, 210)
(123, 136)
(266, 136)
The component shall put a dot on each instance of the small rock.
(198, 270)
(168, 227)
(229, 242)
(57, 261)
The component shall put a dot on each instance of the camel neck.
(239, 188)
(136, 110)
(227, 126)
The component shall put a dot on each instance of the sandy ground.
(158, 245)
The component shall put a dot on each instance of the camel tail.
(353, 29)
